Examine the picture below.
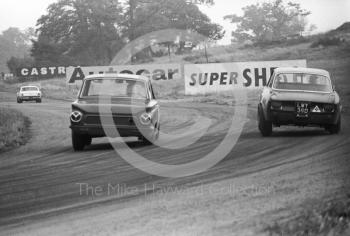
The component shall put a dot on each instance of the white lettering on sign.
(42, 72)
(24, 72)
(34, 71)
(218, 77)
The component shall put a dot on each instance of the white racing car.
(29, 93)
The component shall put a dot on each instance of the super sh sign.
(218, 77)
(42, 72)
(159, 72)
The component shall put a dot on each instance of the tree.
(91, 32)
(17, 62)
(14, 43)
(86, 31)
(269, 21)
(145, 16)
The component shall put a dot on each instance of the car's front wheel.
(334, 129)
(79, 141)
(19, 100)
(38, 101)
(265, 126)
(153, 137)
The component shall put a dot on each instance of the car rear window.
(114, 87)
(302, 81)
(29, 89)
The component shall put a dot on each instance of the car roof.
(302, 70)
(114, 75)
(29, 86)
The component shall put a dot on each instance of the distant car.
(132, 108)
(29, 93)
(300, 97)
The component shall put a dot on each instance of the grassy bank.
(56, 88)
(14, 129)
(328, 218)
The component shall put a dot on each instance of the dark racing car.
(114, 105)
(300, 97)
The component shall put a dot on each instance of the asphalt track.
(40, 179)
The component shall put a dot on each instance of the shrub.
(330, 219)
(326, 41)
(13, 129)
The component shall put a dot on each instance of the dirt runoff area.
(261, 181)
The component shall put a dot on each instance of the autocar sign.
(159, 72)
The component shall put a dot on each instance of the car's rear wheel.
(265, 126)
(79, 141)
(88, 140)
(334, 129)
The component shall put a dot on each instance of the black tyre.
(154, 137)
(334, 129)
(88, 140)
(145, 141)
(19, 100)
(265, 126)
(78, 141)
(38, 101)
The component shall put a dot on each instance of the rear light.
(276, 105)
(329, 108)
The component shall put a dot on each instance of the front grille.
(118, 120)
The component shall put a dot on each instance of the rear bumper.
(29, 98)
(312, 119)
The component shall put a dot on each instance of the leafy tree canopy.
(85, 30)
(269, 21)
(91, 32)
(14, 43)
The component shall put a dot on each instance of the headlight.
(21, 94)
(39, 94)
(76, 116)
(145, 119)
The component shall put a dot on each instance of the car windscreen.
(302, 81)
(114, 87)
(25, 89)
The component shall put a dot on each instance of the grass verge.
(332, 218)
(14, 129)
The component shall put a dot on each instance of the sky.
(326, 14)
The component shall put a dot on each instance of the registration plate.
(302, 109)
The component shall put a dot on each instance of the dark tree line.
(91, 32)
